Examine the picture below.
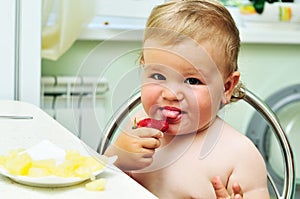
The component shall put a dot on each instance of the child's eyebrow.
(195, 71)
(152, 67)
(208, 69)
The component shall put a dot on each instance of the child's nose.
(172, 94)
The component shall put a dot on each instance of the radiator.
(78, 103)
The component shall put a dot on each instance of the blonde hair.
(200, 20)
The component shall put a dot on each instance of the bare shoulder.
(237, 147)
(236, 139)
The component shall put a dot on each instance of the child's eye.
(192, 81)
(158, 76)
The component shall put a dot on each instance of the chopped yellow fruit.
(74, 165)
(38, 172)
(19, 164)
(48, 163)
(96, 185)
(84, 172)
(67, 168)
(3, 159)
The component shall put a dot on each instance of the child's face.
(182, 84)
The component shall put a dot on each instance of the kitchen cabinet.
(126, 8)
(20, 44)
(123, 22)
(126, 23)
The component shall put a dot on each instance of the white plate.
(48, 181)
(45, 150)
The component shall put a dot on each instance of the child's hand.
(135, 150)
(221, 191)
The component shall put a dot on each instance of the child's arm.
(250, 172)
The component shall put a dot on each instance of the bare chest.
(177, 184)
(187, 177)
(186, 169)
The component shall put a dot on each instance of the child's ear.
(142, 61)
(229, 86)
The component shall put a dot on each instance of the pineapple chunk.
(41, 168)
(83, 172)
(77, 165)
(38, 172)
(3, 159)
(18, 164)
(66, 169)
(90, 162)
(96, 185)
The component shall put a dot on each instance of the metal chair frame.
(254, 101)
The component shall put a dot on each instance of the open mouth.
(171, 114)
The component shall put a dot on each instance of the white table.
(23, 133)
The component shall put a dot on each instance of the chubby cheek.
(149, 97)
(204, 112)
(203, 109)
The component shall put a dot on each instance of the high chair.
(288, 188)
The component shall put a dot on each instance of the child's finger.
(145, 132)
(220, 189)
(237, 190)
(238, 196)
(151, 143)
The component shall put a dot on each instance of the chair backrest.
(259, 105)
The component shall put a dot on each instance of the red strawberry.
(161, 125)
